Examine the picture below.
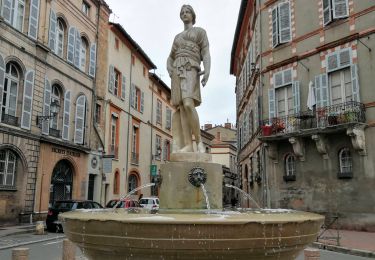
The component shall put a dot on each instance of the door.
(61, 182)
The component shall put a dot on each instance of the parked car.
(150, 203)
(52, 222)
(127, 203)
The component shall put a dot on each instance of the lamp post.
(54, 110)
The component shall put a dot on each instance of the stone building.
(305, 108)
(47, 71)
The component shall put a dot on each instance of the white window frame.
(345, 162)
(15, 13)
(342, 84)
(158, 142)
(116, 82)
(5, 161)
(85, 8)
(159, 107)
(278, 25)
(290, 165)
(331, 9)
(9, 78)
(83, 53)
(54, 122)
(60, 43)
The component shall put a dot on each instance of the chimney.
(207, 126)
(228, 125)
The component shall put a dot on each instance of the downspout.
(152, 127)
(127, 137)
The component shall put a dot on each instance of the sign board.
(153, 170)
(107, 165)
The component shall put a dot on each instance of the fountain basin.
(263, 234)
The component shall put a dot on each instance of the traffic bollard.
(20, 254)
(312, 254)
(68, 250)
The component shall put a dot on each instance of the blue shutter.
(2, 78)
(6, 11)
(80, 120)
(132, 96)
(321, 91)
(34, 19)
(46, 106)
(66, 117)
(332, 62)
(52, 31)
(123, 87)
(296, 97)
(77, 49)
(327, 12)
(340, 8)
(111, 79)
(355, 84)
(27, 103)
(92, 60)
(71, 43)
(275, 27)
(284, 22)
(142, 101)
(271, 103)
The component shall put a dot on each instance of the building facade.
(304, 101)
(47, 71)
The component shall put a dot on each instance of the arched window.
(132, 182)
(116, 183)
(10, 94)
(7, 168)
(83, 54)
(290, 168)
(60, 33)
(55, 96)
(346, 163)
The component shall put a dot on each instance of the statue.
(189, 48)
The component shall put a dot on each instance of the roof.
(159, 80)
(237, 33)
(102, 2)
(134, 44)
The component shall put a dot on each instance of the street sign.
(153, 170)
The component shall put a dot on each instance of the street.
(49, 246)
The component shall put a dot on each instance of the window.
(340, 83)
(117, 44)
(158, 112)
(284, 101)
(334, 9)
(85, 8)
(114, 125)
(158, 147)
(137, 98)
(60, 38)
(281, 29)
(168, 124)
(83, 54)
(80, 120)
(55, 96)
(98, 113)
(7, 168)
(135, 145)
(166, 150)
(10, 94)
(13, 12)
(133, 182)
(346, 164)
(116, 183)
(117, 83)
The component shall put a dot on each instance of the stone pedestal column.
(20, 254)
(312, 254)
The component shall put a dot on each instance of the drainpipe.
(129, 123)
(152, 127)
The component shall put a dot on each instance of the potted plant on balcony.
(332, 118)
(266, 130)
(350, 115)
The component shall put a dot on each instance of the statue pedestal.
(176, 192)
(190, 157)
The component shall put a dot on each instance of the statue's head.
(188, 7)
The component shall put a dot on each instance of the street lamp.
(54, 110)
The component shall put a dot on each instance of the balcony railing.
(55, 132)
(135, 158)
(330, 116)
(113, 150)
(9, 119)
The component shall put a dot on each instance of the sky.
(153, 24)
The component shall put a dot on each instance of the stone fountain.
(191, 223)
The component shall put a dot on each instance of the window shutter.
(321, 91)
(168, 118)
(6, 10)
(344, 56)
(66, 118)
(111, 78)
(132, 96)
(80, 120)
(284, 22)
(92, 68)
(296, 97)
(340, 8)
(327, 12)
(46, 106)
(275, 27)
(271, 103)
(27, 104)
(123, 87)
(77, 49)
(256, 107)
(287, 76)
(52, 31)
(142, 101)
(71, 42)
(332, 62)
(278, 79)
(355, 85)
(2, 78)
(34, 19)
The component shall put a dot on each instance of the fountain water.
(133, 192)
(244, 194)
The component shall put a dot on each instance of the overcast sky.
(153, 25)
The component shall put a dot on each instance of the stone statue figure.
(189, 48)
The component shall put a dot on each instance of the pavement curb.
(32, 242)
(344, 250)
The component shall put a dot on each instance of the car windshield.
(63, 205)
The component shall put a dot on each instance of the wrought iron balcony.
(55, 132)
(135, 158)
(113, 150)
(9, 119)
(338, 116)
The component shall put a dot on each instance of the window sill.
(289, 178)
(335, 23)
(7, 188)
(345, 175)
